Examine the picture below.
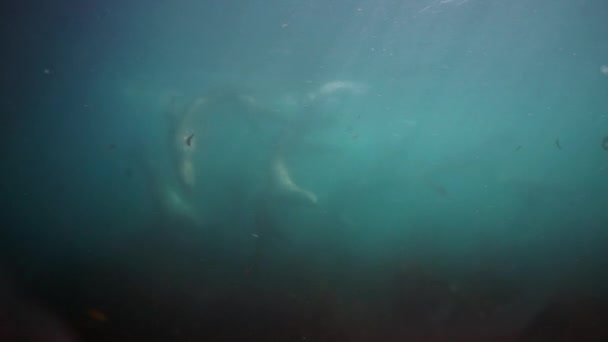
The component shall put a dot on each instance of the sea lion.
(189, 139)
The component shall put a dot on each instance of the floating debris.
(97, 315)
(605, 143)
(557, 144)
(189, 139)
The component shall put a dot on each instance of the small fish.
(440, 190)
(558, 144)
(189, 139)
(111, 147)
(605, 143)
(518, 148)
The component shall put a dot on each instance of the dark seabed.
(417, 170)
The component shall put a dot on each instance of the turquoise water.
(319, 170)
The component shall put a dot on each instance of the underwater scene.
(289, 170)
